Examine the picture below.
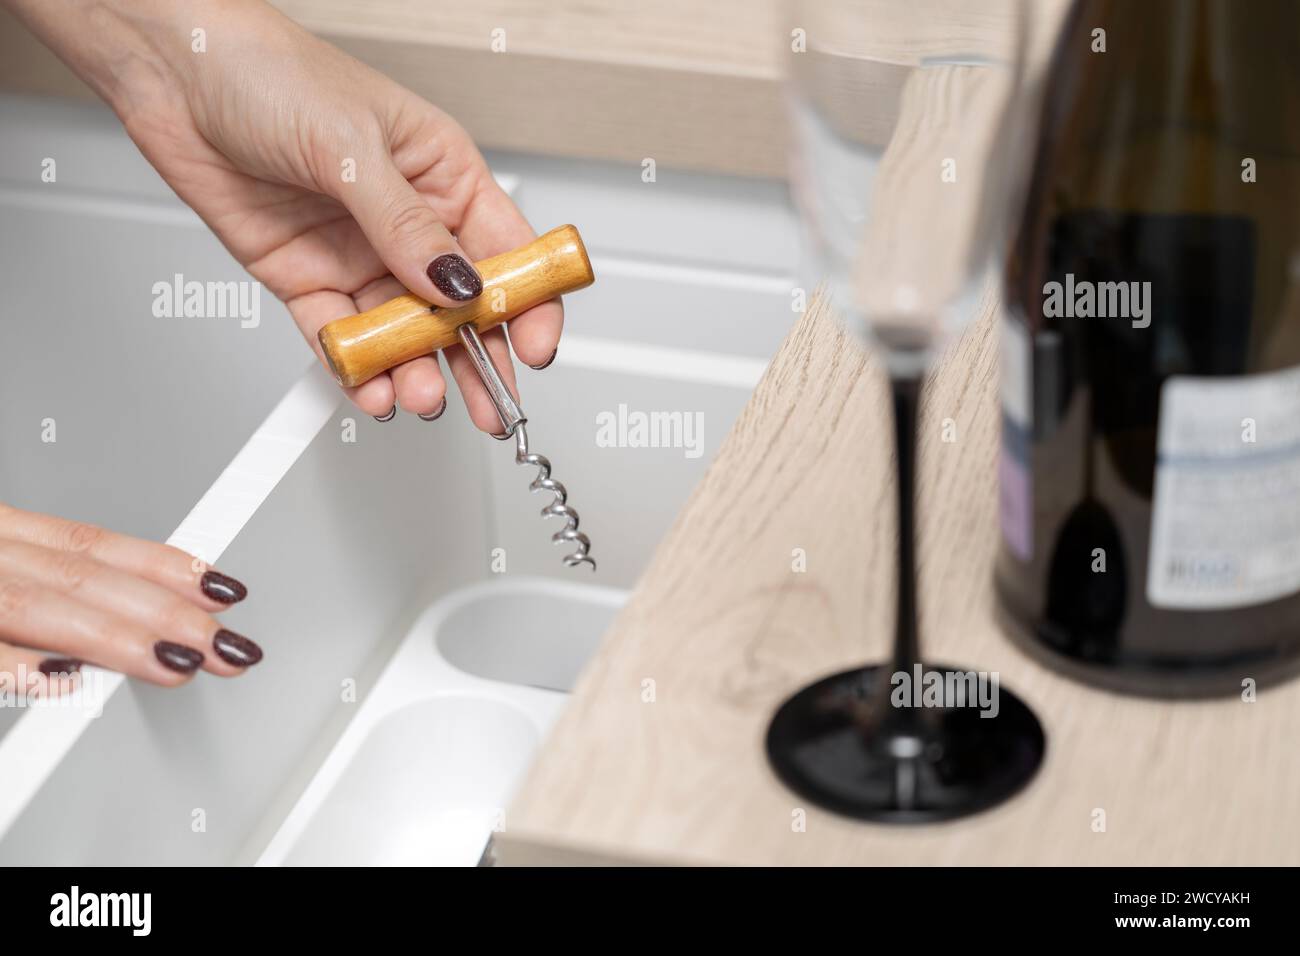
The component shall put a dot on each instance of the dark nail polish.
(222, 587)
(178, 657)
(436, 413)
(236, 649)
(455, 278)
(392, 413)
(59, 665)
(546, 364)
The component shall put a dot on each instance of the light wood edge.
(692, 119)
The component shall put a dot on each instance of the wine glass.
(910, 131)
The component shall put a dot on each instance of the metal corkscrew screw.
(513, 421)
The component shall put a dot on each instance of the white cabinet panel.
(689, 218)
(144, 411)
(597, 428)
(725, 311)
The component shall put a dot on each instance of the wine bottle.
(1150, 467)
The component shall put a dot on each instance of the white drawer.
(356, 553)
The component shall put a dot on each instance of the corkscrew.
(359, 347)
(513, 421)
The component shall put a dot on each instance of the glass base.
(842, 745)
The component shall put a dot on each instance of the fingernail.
(392, 413)
(437, 413)
(236, 649)
(178, 657)
(59, 665)
(455, 278)
(547, 363)
(222, 587)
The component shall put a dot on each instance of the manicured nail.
(222, 587)
(392, 413)
(437, 412)
(546, 364)
(178, 657)
(455, 278)
(59, 665)
(236, 649)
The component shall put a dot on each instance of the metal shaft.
(508, 410)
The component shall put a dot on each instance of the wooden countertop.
(692, 85)
(726, 630)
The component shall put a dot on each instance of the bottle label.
(1015, 494)
(1225, 523)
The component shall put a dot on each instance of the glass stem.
(906, 391)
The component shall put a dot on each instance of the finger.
(162, 564)
(421, 389)
(310, 312)
(481, 410)
(377, 292)
(535, 334)
(153, 607)
(417, 248)
(32, 673)
(418, 384)
(38, 616)
(493, 224)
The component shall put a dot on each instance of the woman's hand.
(72, 592)
(335, 187)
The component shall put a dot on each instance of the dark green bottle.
(1150, 466)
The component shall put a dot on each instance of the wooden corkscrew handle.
(361, 346)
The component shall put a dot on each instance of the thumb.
(415, 246)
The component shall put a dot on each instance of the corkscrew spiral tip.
(559, 506)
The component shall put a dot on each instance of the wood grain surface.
(726, 629)
(691, 85)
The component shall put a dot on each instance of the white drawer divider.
(42, 737)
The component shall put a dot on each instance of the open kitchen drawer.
(419, 629)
